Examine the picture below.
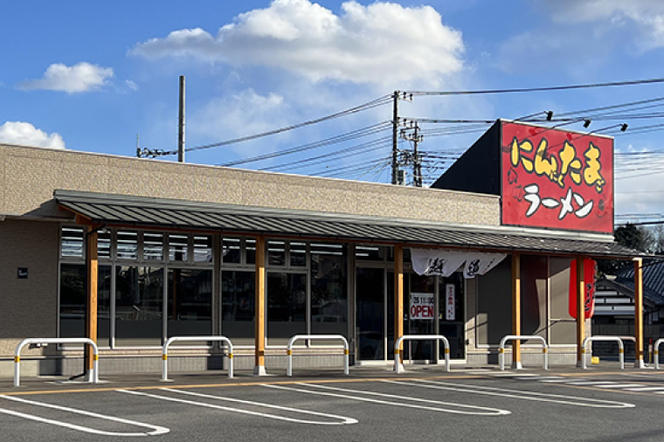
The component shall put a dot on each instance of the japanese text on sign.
(450, 305)
(556, 179)
(421, 306)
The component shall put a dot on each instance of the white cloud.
(380, 43)
(25, 134)
(647, 16)
(81, 77)
(243, 113)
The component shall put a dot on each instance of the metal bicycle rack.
(293, 339)
(398, 366)
(94, 378)
(501, 348)
(618, 339)
(164, 351)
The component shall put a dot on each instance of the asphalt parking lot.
(422, 405)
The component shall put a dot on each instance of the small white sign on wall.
(421, 306)
(450, 306)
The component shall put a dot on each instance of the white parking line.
(661, 387)
(516, 394)
(561, 380)
(537, 378)
(155, 429)
(590, 383)
(481, 411)
(615, 385)
(343, 420)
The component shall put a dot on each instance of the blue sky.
(92, 75)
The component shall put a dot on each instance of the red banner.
(589, 268)
(556, 179)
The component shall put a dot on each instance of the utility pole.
(181, 123)
(416, 158)
(417, 163)
(395, 125)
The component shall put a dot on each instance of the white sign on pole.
(450, 307)
(421, 306)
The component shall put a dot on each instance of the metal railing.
(656, 352)
(618, 339)
(94, 378)
(292, 340)
(501, 348)
(398, 366)
(164, 351)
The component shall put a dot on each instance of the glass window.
(177, 247)
(419, 290)
(370, 253)
(238, 296)
(127, 245)
(328, 289)
(494, 314)
(189, 302)
(298, 254)
(104, 244)
(286, 306)
(231, 251)
(138, 305)
(105, 275)
(73, 302)
(250, 250)
(370, 299)
(71, 242)
(153, 246)
(202, 248)
(276, 253)
(451, 314)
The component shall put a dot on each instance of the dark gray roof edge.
(63, 196)
(575, 245)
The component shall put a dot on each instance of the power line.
(359, 149)
(351, 167)
(380, 101)
(541, 89)
(613, 106)
(357, 133)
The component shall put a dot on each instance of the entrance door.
(370, 299)
(422, 293)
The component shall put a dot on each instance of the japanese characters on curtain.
(443, 262)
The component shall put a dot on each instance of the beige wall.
(28, 177)
(28, 307)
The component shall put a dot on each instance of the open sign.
(421, 306)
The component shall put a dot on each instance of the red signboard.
(556, 179)
(589, 267)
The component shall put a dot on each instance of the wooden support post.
(516, 309)
(638, 312)
(398, 296)
(92, 269)
(259, 367)
(580, 311)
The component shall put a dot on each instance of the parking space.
(473, 406)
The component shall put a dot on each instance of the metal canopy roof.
(168, 213)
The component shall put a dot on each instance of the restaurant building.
(132, 251)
